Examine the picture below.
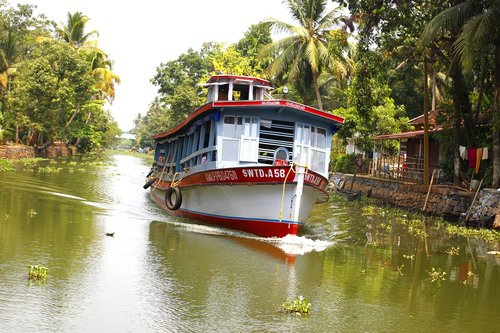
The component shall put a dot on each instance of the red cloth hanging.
(472, 155)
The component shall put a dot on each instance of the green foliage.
(344, 163)
(6, 165)
(37, 272)
(52, 82)
(303, 54)
(383, 117)
(484, 234)
(230, 61)
(299, 306)
(250, 45)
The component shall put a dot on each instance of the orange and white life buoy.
(160, 159)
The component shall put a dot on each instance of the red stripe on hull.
(249, 175)
(256, 227)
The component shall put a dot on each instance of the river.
(362, 266)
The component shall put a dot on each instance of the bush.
(344, 163)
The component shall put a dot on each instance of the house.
(409, 165)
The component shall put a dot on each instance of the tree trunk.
(316, 90)
(496, 122)
(457, 121)
(71, 118)
(77, 143)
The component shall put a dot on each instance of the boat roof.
(228, 77)
(218, 105)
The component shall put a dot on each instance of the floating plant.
(297, 306)
(37, 272)
(436, 276)
(453, 251)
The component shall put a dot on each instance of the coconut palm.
(102, 70)
(8, 54)
(73, 32)
(479, 33)
(306, 43)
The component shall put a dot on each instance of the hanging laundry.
(485, 153)
(479, 155)
(471, 154)
(463, 152)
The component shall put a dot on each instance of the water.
(364, 268)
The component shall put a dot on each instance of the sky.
(140, 35)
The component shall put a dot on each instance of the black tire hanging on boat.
(173, 193)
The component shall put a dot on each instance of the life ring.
(173, 198)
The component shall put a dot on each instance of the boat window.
(311, 147)
(320, 137)
(206, 141)
(230, 149)
(228, 128)
(318, 160)
(240, 92)
(233, 127)
(223, 92)
(245, 130)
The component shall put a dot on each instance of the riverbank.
(447, 201)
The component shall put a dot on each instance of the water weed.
(299, 306)
(436, 275)
(6, 165)
(37, 272)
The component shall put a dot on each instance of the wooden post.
(426, 124)
(429, 190)
(473, 200)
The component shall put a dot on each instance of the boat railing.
(268, 95)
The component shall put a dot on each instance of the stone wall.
(443, 200)
(16, 151)
(20, 151)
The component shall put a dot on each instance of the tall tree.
(479, 36)
(471, 26)
(73, 31)
(307, 42)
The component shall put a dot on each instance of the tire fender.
(173, 198)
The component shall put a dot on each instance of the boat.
(244, 160)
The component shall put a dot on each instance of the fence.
(400, 168)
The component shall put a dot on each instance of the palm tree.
(73, 32)
(102, 70)
(306, 43)
(8, 54)
(479, 29)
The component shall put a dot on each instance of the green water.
(364, 268)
